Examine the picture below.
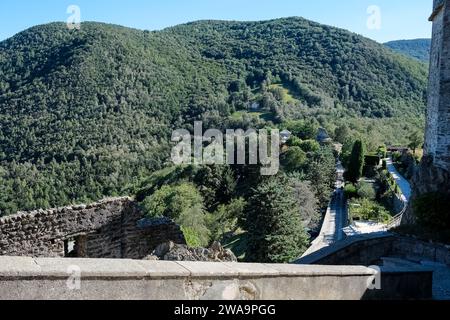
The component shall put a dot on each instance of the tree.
(294, 159)
(416, 140)
(182, 203)
(310, 146)
(302, 129)
(294, 142)
(321, 171)
(307, 203)
(356, 162)
(275, 231)
(216, 183)
(226, 218)
(341, 134)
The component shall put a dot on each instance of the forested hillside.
(86, 113)
(418, 48)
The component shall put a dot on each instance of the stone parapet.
(89, 279)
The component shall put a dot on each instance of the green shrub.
(192, 238)
(294, 142)
(294, 159)
(182, 203)
(310, 146)
(350, 191)
(368, 210)
(226, 218)
(366, 190)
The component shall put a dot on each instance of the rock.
(163, 249)
(174, 252)
(151, 258)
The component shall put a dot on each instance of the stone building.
(433, 174)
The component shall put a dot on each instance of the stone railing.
(87, 279)
(369, 249)
(397, 219)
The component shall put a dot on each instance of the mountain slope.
(84, 113)
(335, 64)
(418, 48)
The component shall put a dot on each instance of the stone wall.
(369, 250)
(98, 279)
(107, 229)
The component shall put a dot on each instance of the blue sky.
(400, 19)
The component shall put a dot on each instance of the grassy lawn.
(288, 96)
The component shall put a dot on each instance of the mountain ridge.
(415, 48)
(86, 112)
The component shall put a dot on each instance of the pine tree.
(276, 234)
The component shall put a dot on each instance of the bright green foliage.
(305, 145)
(368, 210)
(382, 151)
(350, 191)
(294, 159)
(182, 203)
(275, 232)
(191, 237)
(310, 146)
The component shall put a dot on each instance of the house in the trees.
(323, 137)
(285, 135)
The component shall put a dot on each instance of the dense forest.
(417, 48)
(88, 113)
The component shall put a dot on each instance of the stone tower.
(437, 142)
(433, 174)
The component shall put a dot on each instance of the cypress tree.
(356, 163)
